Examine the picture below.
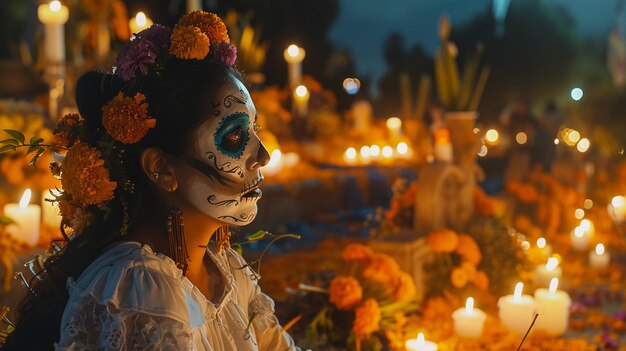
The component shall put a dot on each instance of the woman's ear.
(159, 170)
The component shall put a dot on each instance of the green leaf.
(260, 235)
(38, 154)
(36, 140)
(7, 148)
(16, 134)
(9, 142)
(32, 148)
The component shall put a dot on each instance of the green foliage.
(18, 140)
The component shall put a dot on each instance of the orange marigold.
(357, 252)
(459, 277)
(367, 318)
(209, 23)
(481, 280)
(62, 133)
(126, 119)
(85, 178)
(382, 269)
(345, 292)
(188, 42)
(442, 241)
(404, 287)
(468, 249)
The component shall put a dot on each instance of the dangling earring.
(176, 237)
(223, 238)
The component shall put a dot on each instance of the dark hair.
(177, 98)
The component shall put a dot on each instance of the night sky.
(363, 25)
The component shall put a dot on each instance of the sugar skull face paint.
(225, 159)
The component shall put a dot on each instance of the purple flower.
(226, 53)
(142, 51)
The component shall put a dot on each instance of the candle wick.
(528, 332)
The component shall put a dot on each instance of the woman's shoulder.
(131, 276)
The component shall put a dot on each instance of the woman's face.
(223, 173)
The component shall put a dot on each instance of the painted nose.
(262, 157)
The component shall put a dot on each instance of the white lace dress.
(133, 299)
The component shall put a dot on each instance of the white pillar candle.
(420, 344)
(294, 55)
(54, 16)
(193, 5)
(553, 309)
(517, 311)
(599, 259)
(617, 208)
(301, 97)
(139, 23)
(545, 273)
(469, 321)
(51, 216)
(579, 239)
(394, 127)
(26, 217)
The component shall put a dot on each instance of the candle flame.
(365, 151)
(600, 249)
(618, 201)
(585, 224)
(469, 305)
(420, 340)
(387, 151)
(293, 50)
(579, 232)
(541, 243)
(351, 153)
(274, 158)
(554, 284)
(517, 295)
(492, 136)
(552, 263)
(394, 123)
(301, 91)
(375, 150)
(55, 6)
(25, 198)
(140, 19)
(402, 147)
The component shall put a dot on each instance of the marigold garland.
(209, 23)
(188, 42)
(85, 179)
(126, 119)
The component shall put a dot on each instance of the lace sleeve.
(93, 326)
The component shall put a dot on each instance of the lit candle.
(420, 344)
(193, 5)
(544, 248)
(365, 153)
(274, 165)
(26, 217)
(553, 308)
(387, 152)
(599, 259)
(404, 150)
(54, 16)
(617, 208)
(139, 23)
(50, 211)
(588, 227)
(443, 145)
(301, 98)
(469, 321)
(579, 239)
(294, 56)
(517, 311)
(545, 273)
(375, 151)
(350, 156)
(394, 125)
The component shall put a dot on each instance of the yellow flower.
(209, 23)
(405, 288)
(357, 252)
(442, 241)
(85, 179)
(382, 269)
(468, 249)
(459, 277)
(126, 119)
(367, 318)
(188, 42)
(345, 292)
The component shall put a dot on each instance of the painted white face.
(225, 158)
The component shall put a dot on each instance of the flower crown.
(92, 172)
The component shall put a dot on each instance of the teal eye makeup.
(233, 134)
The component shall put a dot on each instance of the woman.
(170, 137)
